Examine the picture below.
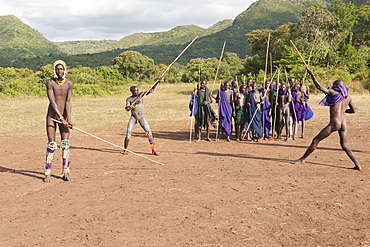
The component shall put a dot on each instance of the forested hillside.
(23, 47)
(18, 40)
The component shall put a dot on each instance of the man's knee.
(65, 145)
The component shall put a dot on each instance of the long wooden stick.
(309, 58)
(57, 121)
(299, 53)
(169, 66)
(218, 67)
(275, 106)
(267, 52)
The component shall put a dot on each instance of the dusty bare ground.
(206, 194)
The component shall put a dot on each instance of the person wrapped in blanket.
(225, 99)
(254, 100)
(205, 115)
(340, 103)
(297, 110)
(135, 104)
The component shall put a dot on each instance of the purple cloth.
(332, 100)
(297, 109)
(225, 112)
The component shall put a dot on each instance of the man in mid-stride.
(135, 104)
(338, 99)
(59, 91)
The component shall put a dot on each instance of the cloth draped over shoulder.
(204, 112)
(256, 122)
(332, 100)
(226, 112)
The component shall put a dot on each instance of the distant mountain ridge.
(23, 46)
(176, 35)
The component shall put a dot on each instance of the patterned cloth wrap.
(65, 155)
(50, 149)
(332, 100)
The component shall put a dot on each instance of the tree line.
(334, 41)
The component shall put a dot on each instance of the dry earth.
(207, 194)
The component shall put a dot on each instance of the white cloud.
(114, 19)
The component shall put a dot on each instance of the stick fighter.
(59, 91)
(338, 99)
(135, 104)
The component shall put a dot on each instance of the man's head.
(255, 86)
(292, 80)
(283, 86)
(226, 85)
(134, 90)
(60, 70)
(203, 84)
(242, 88)
(302, 80)
(338, 83)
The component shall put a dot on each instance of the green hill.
(177, 35)
(18, 40)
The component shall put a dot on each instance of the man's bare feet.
(47, 178)
(357, 167)
(66, 177)
(299, 161)
(125, 152)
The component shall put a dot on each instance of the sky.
(72, 20)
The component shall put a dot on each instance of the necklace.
(60, 81)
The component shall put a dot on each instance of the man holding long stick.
(59, 91)
(135, 104)
(338, 99)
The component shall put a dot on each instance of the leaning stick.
(276, 99)
(309, 58)
(267, 52)
(300, 55)
(169, 66)
(57, 121)
(218, 67)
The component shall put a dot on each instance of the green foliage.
(333, 37)
(132, 64)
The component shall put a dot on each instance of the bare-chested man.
(59, 91)
(338, 99)
(283, 100)
(240, 112)
(135, 104)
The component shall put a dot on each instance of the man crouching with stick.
(338, 100)
(59, 91)
(135, 104)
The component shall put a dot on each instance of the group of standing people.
(252, 112)
(256, 111)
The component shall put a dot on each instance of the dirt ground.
(207, 193)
